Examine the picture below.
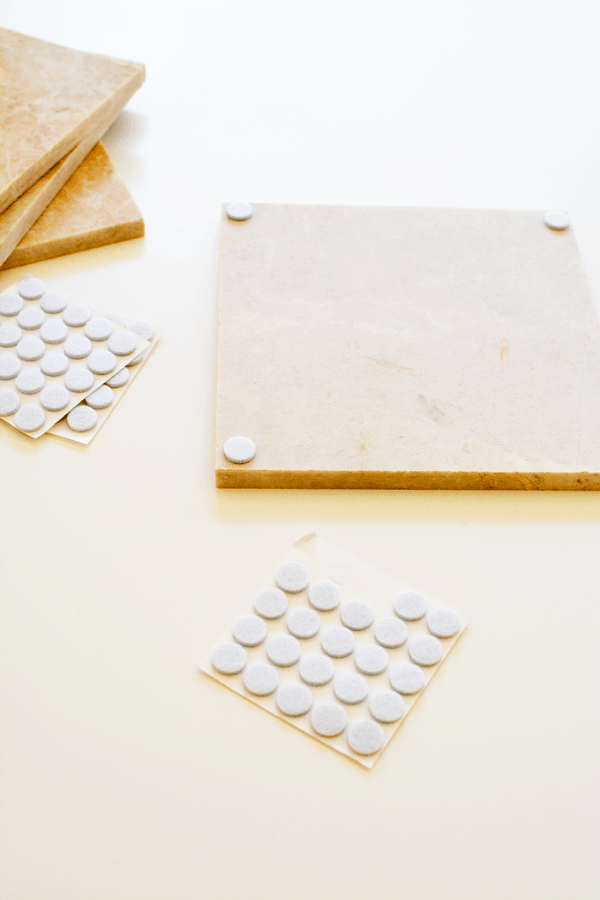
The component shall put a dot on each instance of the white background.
(125, 774)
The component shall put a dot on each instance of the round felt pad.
(366, 737)
(443, 622)
(292, 577)
(390, 632)
(294, 699)
(249, 631)
(31, 288)
(261, 679)
(425, 650)
(10, 304)
(328, 719)
(357, 614)
(30, 418)
(386, 706)
(283, 650)
(9, 367)
(239, 449)
(371, 659)
(54, 398)
(337, 641)
(406, 678)
(54, 364)
(82, 418)
(316, 669)
(324, 595)
(303, 623)
(270, 603)
(9, 402)
(350, 687)
(229, 658)
(410, 605)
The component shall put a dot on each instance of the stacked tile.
(58, 190)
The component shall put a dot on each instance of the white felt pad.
(119, 378)
(10, 304)
(239, 449)
(558, 221)
(31, 348)
(350, 687)
(328, 719)
(30, 418)
(365, 737)
(30, 381)
(122, 343)
(292, 577)
(324, 595)
(316, 669)
(79, 380)
(54, 332)
(270, 603)
(406, 678)
(283, 650)
(443, 622)
(82, 418)
(294, 699)
(229, 658)
(101, 362)
(239, 212)
(54, 398)
(357, 614)
(99, 329)
(78, 346)
(410, 605)
(249, 630)
(303, 623)
(30, 318)
(261, 679)
(77, 315)
(100, 398)
(337, 641)
(371, 659)
(390, 632)
(9, 367)
(53, 302)
(9, 402)
(425, 650)
(54, 364)
(31, 288)
(10, 335)
(386, 706)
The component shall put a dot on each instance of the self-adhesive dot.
(229, 658)
(77, 315)
(31, 288)
(425, 650)
(10, 304)
(324, 595)
(366, 737)
(337, 641)
(558, 221)
(410, 605)
(54, 332)
(9, 367)
(31, 348)
(303, 623)
(357, 614)
(350, 688)
(283, 650)
(292, 577)
(270, 603)
(261, 679)
(122, 343)
(30, 381)
(371, 659)
(54, 364)
(239, 449)
(9, 402)
(239, 212)
(99, 329)
(316, 669)
(443, 622)
(53, 302)
(386, 706)
(143, 329)
(249, 630)
(78, 346)
(390, 632)
(136, 361)
(101, 362)
(406, 678)
(30, 418)
(10, 335)
(31, 318)
(119, 379)
(79, 380)
(54, 397)
(294, 699)
(101, 398)
(328, 719)
(82, 418)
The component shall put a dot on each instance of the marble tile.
(94, 208)
(52, 97)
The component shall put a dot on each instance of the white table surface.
(125, 775)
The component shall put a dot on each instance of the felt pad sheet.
(356, 580)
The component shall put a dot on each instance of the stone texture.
(52, 97)
(94, 208)
(406, 348)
